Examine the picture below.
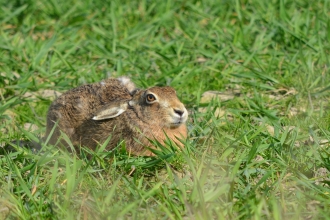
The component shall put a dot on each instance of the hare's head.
(161, 105)
(156, 105)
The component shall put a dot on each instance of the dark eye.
(150, 98)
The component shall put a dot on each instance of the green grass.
(261, 160)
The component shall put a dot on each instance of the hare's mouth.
(176, 124)
(176, 121)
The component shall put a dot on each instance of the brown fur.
(74, 110)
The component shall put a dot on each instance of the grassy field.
(258, 150)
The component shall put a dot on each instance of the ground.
(254, 76)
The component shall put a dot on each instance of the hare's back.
(80, 103)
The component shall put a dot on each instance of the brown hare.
(89, 114)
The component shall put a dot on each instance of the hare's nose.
(179, 112)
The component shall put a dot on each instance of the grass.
(266, 157)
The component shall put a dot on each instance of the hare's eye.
(150, 98)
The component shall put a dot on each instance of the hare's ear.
(111, 110)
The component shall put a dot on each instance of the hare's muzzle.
(178, 116)
(179, 112)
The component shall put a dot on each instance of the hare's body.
(89, 114)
